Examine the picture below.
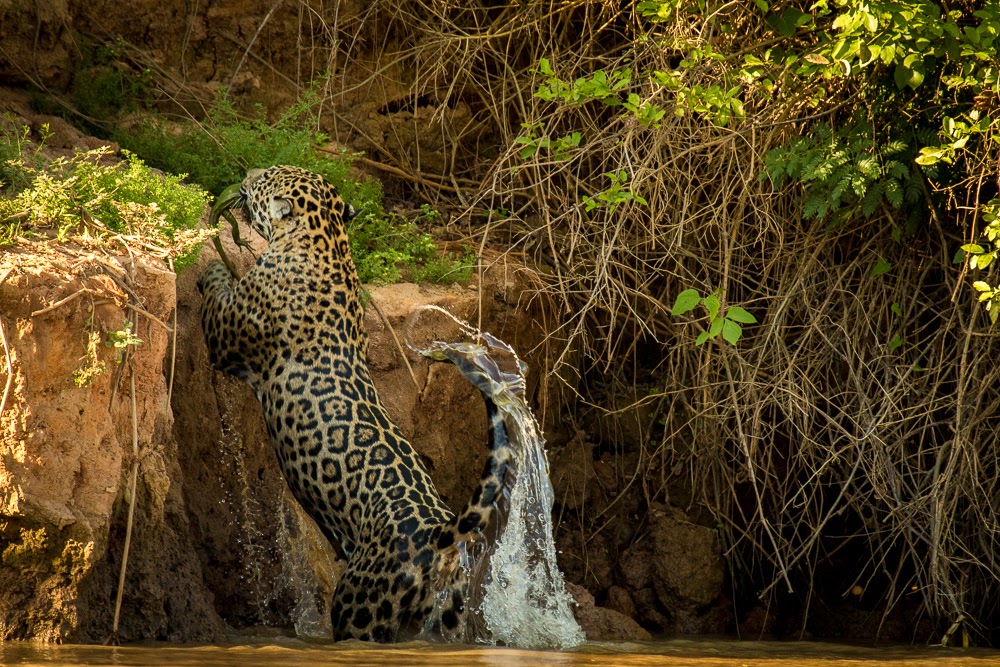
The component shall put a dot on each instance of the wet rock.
(603, 624)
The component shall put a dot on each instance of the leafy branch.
(727, 322)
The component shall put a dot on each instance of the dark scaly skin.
(292, 329)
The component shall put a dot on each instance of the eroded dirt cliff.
(67, 450)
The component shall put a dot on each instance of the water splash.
(263, 554)
(524, 599)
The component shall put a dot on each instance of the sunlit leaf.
(737, 314)
(711, 302)
(685, 302)
(716, 327)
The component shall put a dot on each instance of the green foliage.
(122, 340)
(558, 148)
(981, 257)
(600, 86)
(881, 266)
(616, 194)
(105, 85)
(18, 154)
(727, 322)
(219, 151)
(84, 195)
(916, 81)
(388, 249)
(924, 75)
(845, 171)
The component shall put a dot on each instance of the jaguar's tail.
(479, 511)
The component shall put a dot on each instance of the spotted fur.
(292, 329)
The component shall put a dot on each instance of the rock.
(574, 479)
(66, 457)
(620, 601)
(649, 610)
(602, 624)
(675, 576)
(587, 562)
(687, 559)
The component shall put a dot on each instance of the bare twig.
(131, 510)
(63, 302)
(395, 339)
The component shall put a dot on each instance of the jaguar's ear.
(279, 208)
(349, 213)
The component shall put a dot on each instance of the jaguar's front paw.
(214, 274)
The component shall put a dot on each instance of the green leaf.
(929, 155)
(702, 337)
(896, 341)
(896, 309)
(685, 302)
(716, 327)
(973, 248)
(711, 302)
(871, 23)
(787, 21)
(737, 314)
(881, 266)
(731, 332)
(981, 286)
(901, 76)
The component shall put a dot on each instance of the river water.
(671, 653)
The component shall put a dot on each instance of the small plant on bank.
(121, 340)
(727, 322)
(90, 365)
(983, 256)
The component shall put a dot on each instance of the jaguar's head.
(283, 195)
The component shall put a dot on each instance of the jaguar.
(292, 329)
